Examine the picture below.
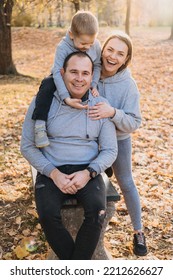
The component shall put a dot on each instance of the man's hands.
(78, 179)
(70, 184)
(60, 179)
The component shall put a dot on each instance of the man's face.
(78, 76)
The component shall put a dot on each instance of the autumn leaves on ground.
(33, 52)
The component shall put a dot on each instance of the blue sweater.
(74, 139)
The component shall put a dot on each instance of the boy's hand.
(75, 103)
(94, 92)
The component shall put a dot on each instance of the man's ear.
(62, 71)
(70, 35)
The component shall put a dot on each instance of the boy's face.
(82, 42)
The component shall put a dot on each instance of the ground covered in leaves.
(33, 52)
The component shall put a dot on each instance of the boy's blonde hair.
(84, 23)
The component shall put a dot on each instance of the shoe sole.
(42, 146)
(140, 254)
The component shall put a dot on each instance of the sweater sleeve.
(28, 149)
(97, 65)
(60, 55)
(108, 148)
(128, 118)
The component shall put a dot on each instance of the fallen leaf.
(21, 252)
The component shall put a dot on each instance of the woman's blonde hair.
(127, 40)
(84, 22)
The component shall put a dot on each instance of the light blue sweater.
(66, 47)
(74, 139)
(122, 93)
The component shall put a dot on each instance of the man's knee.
(101, 216)
(96, 217)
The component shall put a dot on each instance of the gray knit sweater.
(74, 139)
(122, 93)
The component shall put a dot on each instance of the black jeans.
(44, 99)
(49, 201)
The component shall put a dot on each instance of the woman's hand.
(94, 92)
(101, 110)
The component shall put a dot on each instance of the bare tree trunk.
(50, 22)
(127, 23)
(171, 36)
(86, 4)
(6, 63)
(76, 5)
(60, 10)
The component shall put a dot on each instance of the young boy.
(81, 36)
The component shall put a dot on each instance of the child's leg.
(42, 105)
(44, 99)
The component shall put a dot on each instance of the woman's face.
(113, 56)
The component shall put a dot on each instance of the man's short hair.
(78, 54)
(84, 23)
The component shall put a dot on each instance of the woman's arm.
(128, 118)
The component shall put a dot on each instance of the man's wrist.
(87, 173)
(53, 173)
(92, 172)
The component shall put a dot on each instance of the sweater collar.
(120, 76)
(85, 97)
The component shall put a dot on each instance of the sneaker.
(109, 172)
(41, 139)
(139, 244)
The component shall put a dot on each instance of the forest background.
(36, 28)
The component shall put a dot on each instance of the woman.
(119, 88)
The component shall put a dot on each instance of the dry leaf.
(21, 252)
(18, 220)
(32, 212)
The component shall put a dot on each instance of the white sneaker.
(41, 139)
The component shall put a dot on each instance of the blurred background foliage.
(122, 14)
(58, 13)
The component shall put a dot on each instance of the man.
(80, 149)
